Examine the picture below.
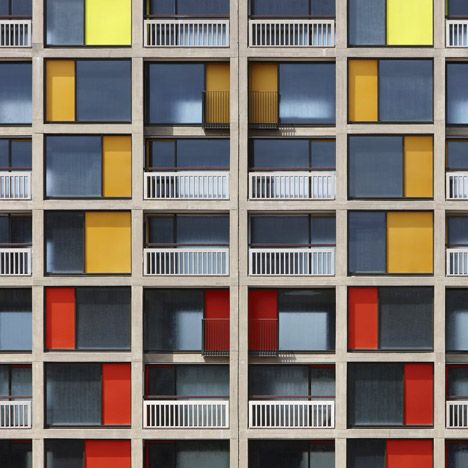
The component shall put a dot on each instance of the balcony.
(15, 33)
(263, 337)
(457, 414)
(187, 414)
(318, 414)
(457, 262)
(15, 185)
(15, 262)
(216, 110)
(264, 109)
(292, 185)
(457, 185)
(316, 261)
(456, 33)
(187, 185)
(186, 33)
(291, 33)
(15, 414)
(186, 261)
(215, 333)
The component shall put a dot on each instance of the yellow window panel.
(108, 242)
(217, 93)
(108, 22)
(409, 22)
(263, 93)
(363, 91)
(60, 91)
(418, 166)
(410, 243)
(117, 166)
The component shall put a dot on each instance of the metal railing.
(318, 414)
(457, 414)
(291, 33)
(15, 262)
(15, 414)
(457, 185)
(318, 185)
(216, 109)
(15, 185)
(456, 33)
(186, 33)
(186, 261)
(187, 185)
(196, 414)
(263, 109)
(263, 337)
(15, 33)
(215, 332)
(457, 262)
(316, 261)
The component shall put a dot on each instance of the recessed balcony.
(15, 185)
(15, 33)
(15, 414)
(457, 414)
(457, 185)
(457, 262)
(456, 33)
(15, 261)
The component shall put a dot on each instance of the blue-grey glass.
(103, 90)
(203, 8)
(206, 454)
(161, 229)
(65, 22)
(202, 381)
(457, 385)
(21, 154)
(279, 153)
(21, 382)
(163, 7)
(457, 93)
(322, 382)
(367, 242)
(20, 454)
(457, 454)
(73, 166)
(161, 455)
(323, 230)
(15, 319)
(202, 229)
(457, 155)
(279, 454)
(161, 381)
(366, 22)
(4, 7)
(64, 232)
(64, 453)
(163, 154)
(456, 319)
(457, 227)
(323, 154)
(280, 381)
(279, 8)
(4, 230)
(366, 453)
(323, 8)
(103, 318)
(457, 8)
(21, 229)
(406, 318)
(307, 93)
(4, 381)
(322, 455)
(279, 230)
(375, 166)
(15, 93)
(203, 153)
(405, 91)
(73, 394)
(174, 93)
(21, 8)
(4, 153)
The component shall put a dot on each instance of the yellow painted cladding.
(363, 90)
(410, 22)
(117, 166)
(418, 167)
(410, 242)
(263, 93)
(60, 91)
(108, 22)
(108, 242)
(217, 92)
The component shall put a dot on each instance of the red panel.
(107, 454)
(419, 394)
(216, 323)
(217, 303)
(363, 318)
(116, 394)
(263, 320)
(409, 454)
(60, 318)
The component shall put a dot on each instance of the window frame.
(148, 15)
(309, 16)
(10, 396)
(10, 168)
(455, 139)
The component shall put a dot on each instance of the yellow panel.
(108, 22)
(60, 91)
(409, 22)
(117, 166)
(217, 93)
(263, 77)
(263, 93)
(418, 166)
(108, 242)
(410, 242)
(363, 90)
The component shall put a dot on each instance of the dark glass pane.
(4, 381)
(457, 382)
(323, 8)
(203, 7)
(285, 153)
(364, 453)
(202, 229)
(203, 153)
(163, 7)
(5, 237)
(64, 453)
(323, 154)
(4, 7)
(20, 454)
(279, 8)
(457, 454)
(15, 319)
(322, 455)
(322, 382)
(21, 381)
(279, 230)
(21, 229)
(15, 300)
(161, 229)
(206, 454)
(162, 455)
(457, 93)
(4, 153)
(21, 154)
(202, 381)
(457, 154)
(457, 319)
(163, 154)
(366, 22)
(15, 93)
(457, 8)
(457, 231)
(21, 8)
(65, 22)
(279, 454)
(280, 381)
(323, 230)
(161, 381)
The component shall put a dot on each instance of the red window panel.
(263, 320)
(409, 454)
(107, 454)
(60, 318)
(363, 318)
(419, 394)
(216, 323)
(116, 394)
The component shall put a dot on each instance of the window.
(393, 242)
(88, 22)
(15, 93)
(85, 91)
(293, 8)
(16, 8)
(15, 155)
(15, 382)
(15, 230)
(457, 94)
(457, 382)
(88, 166)
(15, 319)
(457, 231)
(389, 395)
(390, 90)
(457, 154)
(16, 453)
(456, 309)
(188, 8)
(456, 9)
(393, 318)
(457, 454)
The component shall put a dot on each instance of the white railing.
(15, 262)
(15, 414)
(187, 185)
(317, 261)
(15, 185)
(292, 185)
(457, 262)
(292, 414)
(457, 33)
(457, 414)
(196, 414)
(186, 261)
(186, 33)
(457, 185)
(15, 33)
(292, 33)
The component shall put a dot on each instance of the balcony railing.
(457, 414)
(319, 414)
(316, 261)
(457, 33)
(457, 185)
(216, 109)
(186, 261)
(187, 185)
(15, 414)
(15, 33)
(215, 337)
(15, 262)
(292, 185)
(15, 185)
(186, 33)
(264, 109)
(457, 262)
(291, 33)
(187, 414)
(263, 337)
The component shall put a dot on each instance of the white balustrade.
(15, 185)
(457, 262)
(457, 185)
(457, 414)
(15, 262)
(457, 33)
(15, 414)
(15, 33)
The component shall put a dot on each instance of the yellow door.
(418, 166)
(263, 93)
(363, 91)
(60, 90)
(117, 166)
(217, 93)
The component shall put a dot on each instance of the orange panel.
(107, 454)
(116, 394)
(419, 394)
(363, 318)
(409, 454)
(60, 318)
